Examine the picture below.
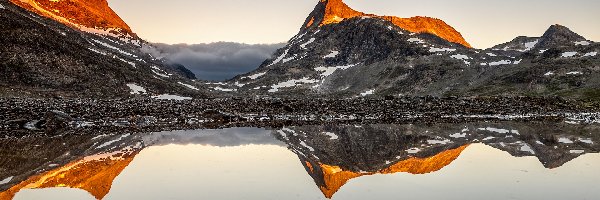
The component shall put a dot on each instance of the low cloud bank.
(216, 61)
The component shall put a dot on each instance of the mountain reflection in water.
(112, 166)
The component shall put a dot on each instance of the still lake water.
(470, 161)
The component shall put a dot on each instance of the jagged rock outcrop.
(335, 11)
(86, 15)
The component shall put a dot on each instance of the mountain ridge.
(334, 11)
(85, 15)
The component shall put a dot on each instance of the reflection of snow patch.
(527, 148)
(497, 130)
(6, 180)
(446, 141)
(586, 140)
(112, 141)
(413, 150)
(332, 136)
(416, 40)
(577, 151)
(458, 135)
(565, 140)
(305, 145)
(569, 54)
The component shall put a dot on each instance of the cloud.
(215, 61)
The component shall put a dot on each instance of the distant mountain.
(359, 54)
(79, 49)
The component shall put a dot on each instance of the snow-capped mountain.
(343, 52)
(80, 49)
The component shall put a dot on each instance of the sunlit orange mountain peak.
(335, 11)
(331, 178)
(86, 15)
(93, 174)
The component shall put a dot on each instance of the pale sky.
(483, 23)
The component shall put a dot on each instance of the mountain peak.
(85, 15)
(558, 34)
(334, 11)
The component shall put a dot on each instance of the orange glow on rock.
(337, 11)
(93, 176)
(95, 14)
(335, 177)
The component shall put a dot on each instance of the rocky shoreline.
(23, 116)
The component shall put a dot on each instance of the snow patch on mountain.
(224, 89)
(255, 76)
(367, 93)
(280, 58)
(97, 51)
(575, 73)
(188, 86)
(291, 83)
(113, 47)
(583, 43)
(327, 71)
(590, 54)
(568, 54)
(171, 97)
(333, 54)
(530, 45)
(136, 89)
(307, 43)
(160, 72)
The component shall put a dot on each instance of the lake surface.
(445, 161)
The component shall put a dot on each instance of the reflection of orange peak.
(334, 177)
(95, 176)
(336, 11)
(95, 14)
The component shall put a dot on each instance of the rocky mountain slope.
(360, 55)
(92, 54)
